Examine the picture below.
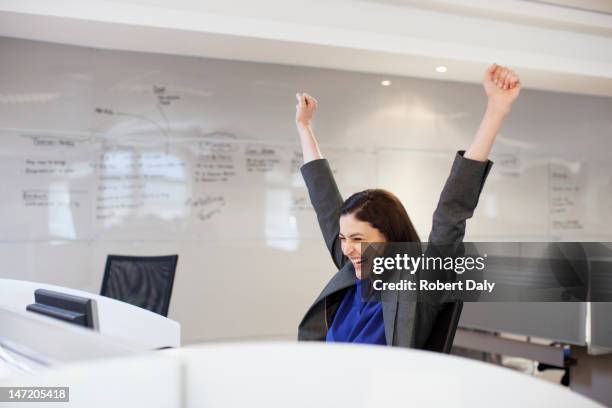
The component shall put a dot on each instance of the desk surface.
(138, 327)
(280, 375)
(319, 374)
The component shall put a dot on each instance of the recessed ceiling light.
(441, 69)
(386, 82)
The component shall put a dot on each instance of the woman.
(338, 314)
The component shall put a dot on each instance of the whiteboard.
(142, 154)
(207, 188)
(513, 204)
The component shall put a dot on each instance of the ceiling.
(564, 47)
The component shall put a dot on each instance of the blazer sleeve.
(327, 201)
(458, 200)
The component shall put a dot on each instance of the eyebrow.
(351, 235)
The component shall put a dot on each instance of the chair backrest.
(443, 331)
(143, 281)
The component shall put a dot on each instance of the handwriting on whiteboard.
(564, 198)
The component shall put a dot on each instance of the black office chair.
(444, 329)
(143, 281)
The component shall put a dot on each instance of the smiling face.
(352, 233)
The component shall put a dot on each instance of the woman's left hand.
(502, 86)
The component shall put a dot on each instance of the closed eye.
(353, 237)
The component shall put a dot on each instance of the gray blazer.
(407, 323)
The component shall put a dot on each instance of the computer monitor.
(69, 308)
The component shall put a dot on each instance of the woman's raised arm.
(304, 110)
(502, 87)
(460, 194)
(322, 189)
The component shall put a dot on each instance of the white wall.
(237, 287)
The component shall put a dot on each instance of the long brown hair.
(384, 211)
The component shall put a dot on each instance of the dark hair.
(384, 211)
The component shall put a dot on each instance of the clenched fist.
(502, 86)
(304, 110)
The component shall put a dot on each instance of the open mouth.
(358, 261)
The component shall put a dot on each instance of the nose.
(349, 249)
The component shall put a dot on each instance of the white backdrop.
(112, 152)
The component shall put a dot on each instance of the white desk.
(38, 341)
(280, 375)
(138, 327)
(318, 374)
(150, 380)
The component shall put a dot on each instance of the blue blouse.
(357, 321)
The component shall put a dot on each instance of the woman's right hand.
(304, 110)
